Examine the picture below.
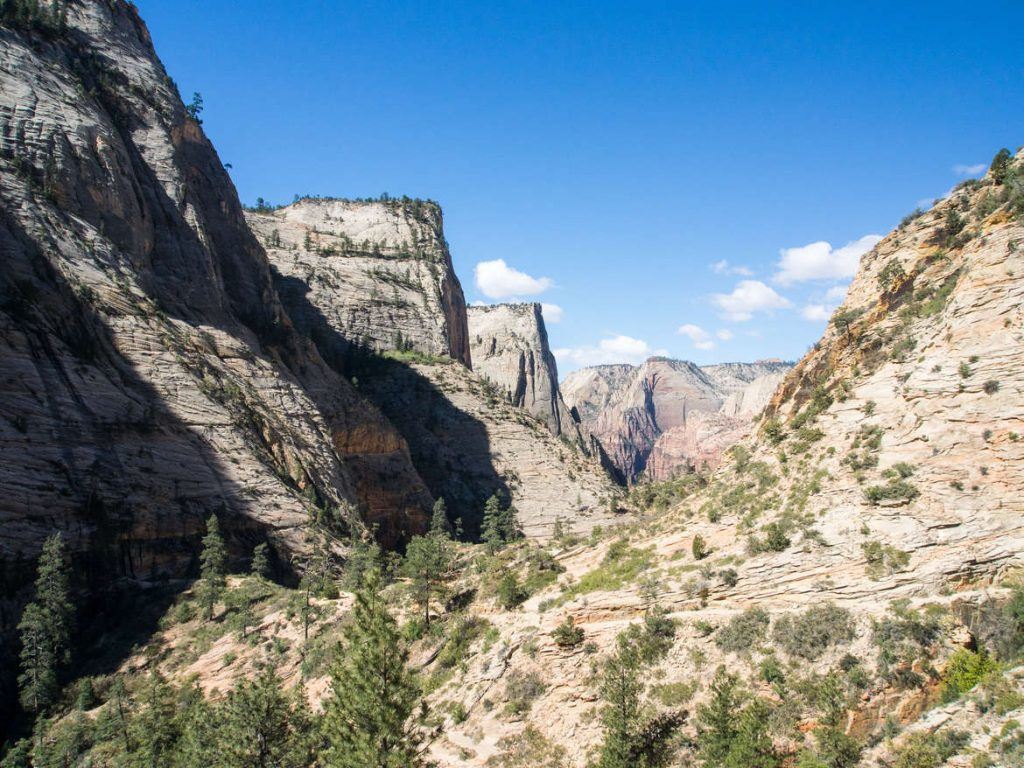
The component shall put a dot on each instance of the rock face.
(667, 416)
(150, 376)
(380, 270)
(510, 348)
(371, 284)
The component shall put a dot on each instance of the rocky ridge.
(509, 344)
(669, 416)
(150, 375)
(371, 284)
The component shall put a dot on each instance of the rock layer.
(380, 270)
(668, 416)
(150, 375)
(510, 348)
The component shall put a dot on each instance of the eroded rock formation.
(150, 376)
(667, 416)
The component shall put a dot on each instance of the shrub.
(991, 387)
(729, 577)
(809, 634)
(621, 565)
(929, 749)
(510, 592)
(521, 690)
(891, 275)
(700, 548)
(744, 631)
(883, 559)
(965, 670)
(964, 370)
(567, 635)
(774, 431)
(674, 694)
(895, 490)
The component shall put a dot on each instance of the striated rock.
(380, 270)
(150, 376)
(371, 284)
(667, 416)
(510, 348)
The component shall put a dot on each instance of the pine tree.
(716, 720)
(427, 563)
(45, 629)
(752, 747)
(37, 681)
(255, 729)
(621, 688)
(835, 748)
(199, 727)
(154, 728)
(440, 525)
(491, 527)
(261, 561)
(213, 567)
(1000, 165)
(369, 718)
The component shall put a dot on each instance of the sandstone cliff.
(150, 375)
(510, 348)
(380, 270)
(668, 416)
(371, 284)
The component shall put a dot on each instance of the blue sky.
(641, 166)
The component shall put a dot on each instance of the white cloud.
(552, 313)
(969, 170)
(700, 338)
(820, 261)
(749, 297)
(724, 268)
(497, 280)
(614, 349)
(724, 334)
(836, 294)
(817, 313)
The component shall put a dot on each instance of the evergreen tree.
(440, 525)
(261, 561)
(491, 527)
(37, 681)
(213, 567)
(199, 727)
(1000, 165)
(427, 563)
(154, 728)
(835, 748)
(45, 630)
(752, 747)
(369, 717)
(621, 688)
(717, 721)
(256, 729)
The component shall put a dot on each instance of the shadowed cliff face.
(150, 374)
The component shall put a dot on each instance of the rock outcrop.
(379, 269)
(150, 376)
(509, 343)
(668, 416)
(371, 284)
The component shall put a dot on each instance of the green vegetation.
(699, 548)
(45, 630)
(521, 690)
(929, 749)
(895, 490)
(744, 631)
(500, 524)
(621, 565)
(883, 559)
(964, 670)
(567, 635)
(891, 276)
(809, 634)
(371, 715)
(428, 564)
(213, 567)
